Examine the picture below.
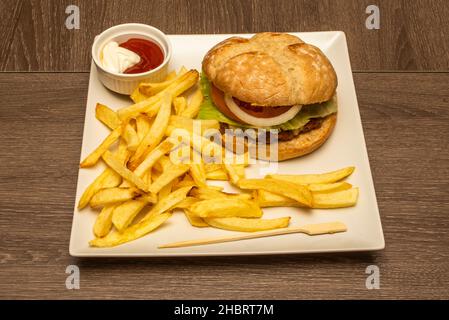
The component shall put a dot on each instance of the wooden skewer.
(311, 230)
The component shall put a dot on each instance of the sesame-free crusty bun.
(271, 69)
(304, 143)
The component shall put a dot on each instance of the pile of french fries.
(142, 186)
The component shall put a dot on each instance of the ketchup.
(151, 56)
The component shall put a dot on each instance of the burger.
(271, 81)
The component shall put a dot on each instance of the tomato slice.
(218, 99)
(256, 111)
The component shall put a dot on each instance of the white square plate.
(345, 147)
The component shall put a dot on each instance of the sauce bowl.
(126, 83)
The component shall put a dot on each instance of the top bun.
(271, 69)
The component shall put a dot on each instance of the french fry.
(167, 176)
(187, 181)
(172, 75)
(125, 213)
(329, 187)
(239, 170)
(179, 103)
(328, 177)
(155, 174)
(138, 96)
(143, 124)
(204, 146)
(112, 195)
(243, 159)
(165, 191)
(177, 121)
(232, 173)
(208, 193)
(182, 70)
(133, 232)
(163, 164)
(147, 176)
(341, 199)
(184, 184)
(193, 106)
(288, 189)
(151, 105)
(130, 136)
(217, 175)
(194, 220)
(198, 173)
(226, 208)
(107, 179)
(155, 134)
(168, 202)
(103, 223)
(181, 154)
(268, 199)
(247, 224)
(148, 197)
(122, 153)
(93, 158)
(216, 188)
(164, 147)
(107, 116)
(150, 89)
(186, 203)
(128, 175)
(210, 167)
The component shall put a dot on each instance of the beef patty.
(286, 135)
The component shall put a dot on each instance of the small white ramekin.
(126, 83)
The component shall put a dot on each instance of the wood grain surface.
(413, 34)
(406, 122)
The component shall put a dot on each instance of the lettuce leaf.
(208, 111)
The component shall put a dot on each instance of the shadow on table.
(272, 260)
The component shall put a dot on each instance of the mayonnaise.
(117, 59)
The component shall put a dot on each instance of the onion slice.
(260, 122)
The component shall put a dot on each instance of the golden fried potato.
(93, 158)
(168, 202)
(179, 103)
(329, 187)
(133, 232)
(288, 189)
(122, 170)
(247, 224)
(107, 179)
(194, 105)
(103, 223)
(341, 199)
(328, 177)
(268, 199)
(198, 174)
(151, 105)
(113, 195)
(206, 193)
(107, 116)
(217, 175)
(124, 214)
(167, 176)
(155, 134)
(226, 207)
(194, 220)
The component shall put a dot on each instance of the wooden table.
(401, 76)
